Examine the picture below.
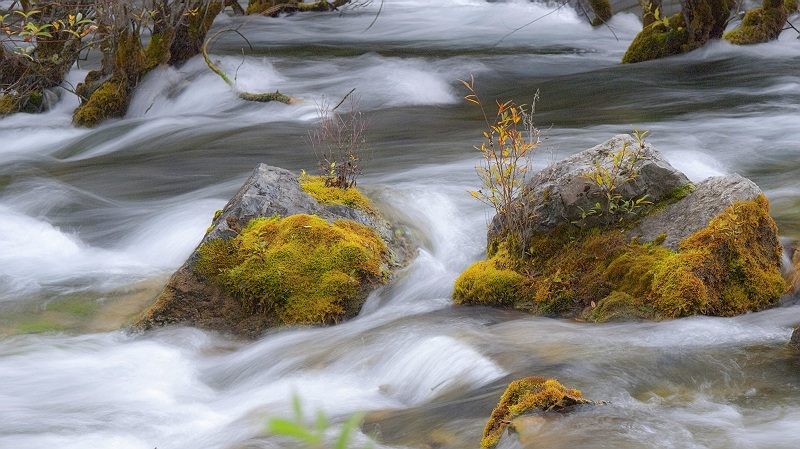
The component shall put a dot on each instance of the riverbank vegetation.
(42, 40)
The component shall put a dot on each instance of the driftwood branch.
(263, 97)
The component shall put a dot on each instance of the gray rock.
(681, 219)
(269, 191)
(561, 194)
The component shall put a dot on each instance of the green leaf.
(286, 428)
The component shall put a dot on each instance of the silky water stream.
(92, 223)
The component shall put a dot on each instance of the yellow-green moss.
(109, 100)
(315, 186)
(299, 269)
(791, 6)
(602, 11)
(596, 274)
(659, 40)
(760, 24)
(490, 283)
(525, 395)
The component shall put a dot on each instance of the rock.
(274, 255)
(524, 396)
(562, 193)
(795, 341)
(760, 25)
(709, 249)
(708, 200)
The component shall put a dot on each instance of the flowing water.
(92, 223)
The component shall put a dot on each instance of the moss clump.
(490, 282)
(315, 186)
(659, 40)
(723, 269)
(525, 395)
(109, 100)
(299, 269)
(791, 6)
(602, 11)
(760, 24)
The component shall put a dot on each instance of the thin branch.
(380, 8)
(529, 23)
(263, 97)
(343, 98)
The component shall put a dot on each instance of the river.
(93, 222)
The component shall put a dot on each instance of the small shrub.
(510, 142)
(340, 144)
(609, 180)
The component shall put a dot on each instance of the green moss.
(315, 186)
(299, 269)
(7, 105)
(619, 306)
(791, 6)
(157, 51)
(602, 11)
(488, 283)
(109, 100)
(659, 40)
(596, 274)
(760, 24)
(526, 395)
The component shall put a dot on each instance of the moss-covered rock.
(109, 100)
(658, 40)
(602, 11)
(524, 396)
(760, 25)
(275, 256)
(299, 269)
(710, 249)
(727, 268)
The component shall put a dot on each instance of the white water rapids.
(92, 223)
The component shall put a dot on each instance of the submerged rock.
(275, 255)
(615, 232)
(525, 396)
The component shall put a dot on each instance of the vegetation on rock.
(42, 40)
(510, 142)
(760, 24)
(602, 11)
(527, 395)
(596, 274)
(299, 269)
(699, 22)
(317, 187)
(660, 39)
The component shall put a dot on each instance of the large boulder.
(275, 255)
(615, 232)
